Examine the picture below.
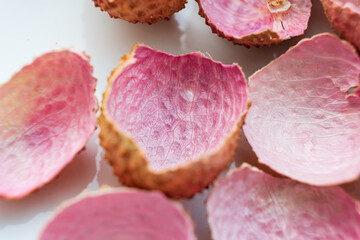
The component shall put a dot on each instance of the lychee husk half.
(256, 23)
(345, 19)
(142, 11)
(132, 168)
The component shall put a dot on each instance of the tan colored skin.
(132, 167)
(143, 11)
(265, 38)
(277, 3)
(344, 21)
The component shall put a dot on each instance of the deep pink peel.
(47, 113)
(177, 108)
(251, 205)
(302, 122)
(121, 214)
(239, 20)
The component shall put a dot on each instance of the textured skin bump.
(47, 113)
(171, 122)
(143, 11)
(251, 23)
(251, 205)
(344, 16)
(120, 214)
(303, 123)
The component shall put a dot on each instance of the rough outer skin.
(48, 112)
(120, 214)
(132, 168)
(303, 122)
(264, 38)
(249, 204)
(143, 11)
(344, 19)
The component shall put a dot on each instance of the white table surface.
(31, 28)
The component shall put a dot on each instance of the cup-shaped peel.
(171, 122)
(256, 23)
(305, 114)
(249, 204)
(47, 113)
(120, 214)
(142, 11)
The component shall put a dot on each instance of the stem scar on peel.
(276, 6)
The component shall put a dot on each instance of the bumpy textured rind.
(143, 11)
(263, 38)
(345, 19)
(120, 214)
(303, 122)
(249, 204)
(39, 138)
(132, 168)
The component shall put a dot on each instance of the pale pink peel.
(302, 123)
(47, 113)
(248, 204)
(120, 214)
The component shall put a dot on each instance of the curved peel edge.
(278, 173)
(130, 165)
(107, 190)
(264, 38)
(145, 11)
(270, 192)
(344, 20)
(86, 58)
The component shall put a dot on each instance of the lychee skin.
(142, 11)
(344, 20)
(132, 168)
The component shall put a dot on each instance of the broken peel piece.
(171, 122)
(344, 16)
(47, 113)
(249, 204)
(120, 214)
(142, 11)
(303, 122)
(256, 23)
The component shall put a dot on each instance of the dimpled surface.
(121, 215)
(344, 16)
(47, 113)
(143, 11)
(177, 108)
(251, 205)
(244, 17)
(302, 123)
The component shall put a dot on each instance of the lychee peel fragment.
(344, 16)
(304, 120)
(171, 122)
(142, 11)
(249, 204)
(120, 214)
(47, 113)
(256, 23)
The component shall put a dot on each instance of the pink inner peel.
(131, 215)
(302, 123)
(251, 205)
(47, 115)
(242, 17)
(177, 108)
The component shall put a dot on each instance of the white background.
(31, 28)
